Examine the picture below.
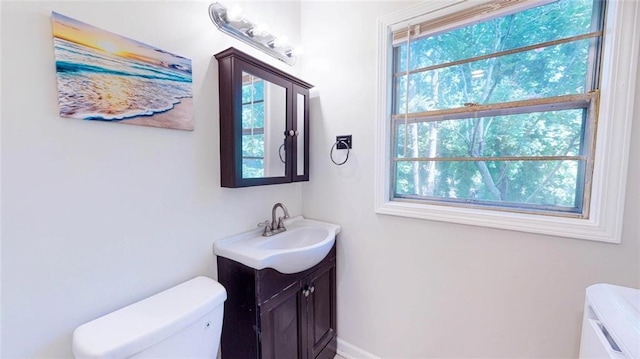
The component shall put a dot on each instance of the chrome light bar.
(234, 24)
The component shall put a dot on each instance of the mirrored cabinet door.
(263, 126)
(264, 123)
(301, 131)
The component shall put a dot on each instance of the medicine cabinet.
(264, 123)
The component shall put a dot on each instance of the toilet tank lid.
(140, 325)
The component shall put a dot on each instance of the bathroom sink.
(304, 244)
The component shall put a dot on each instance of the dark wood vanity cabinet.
(264, 123)
(271, 315)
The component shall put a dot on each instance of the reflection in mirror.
(263, 126)
(300, 135)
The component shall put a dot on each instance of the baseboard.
(350, 351)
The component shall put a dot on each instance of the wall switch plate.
(343, 142)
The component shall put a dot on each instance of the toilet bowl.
(182, 322)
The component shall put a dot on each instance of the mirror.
(300, 133)
(264, 116)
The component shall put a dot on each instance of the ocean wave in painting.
(96, 85)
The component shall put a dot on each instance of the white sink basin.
(304, 244)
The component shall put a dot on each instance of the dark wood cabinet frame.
(231, 64)
(268, 316)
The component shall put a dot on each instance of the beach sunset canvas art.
(107, 77)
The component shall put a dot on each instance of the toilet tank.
(182, 322)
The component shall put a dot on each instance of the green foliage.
(253, 129)
(545, 72)
(253, 91)
(253, 115)
(252, 168)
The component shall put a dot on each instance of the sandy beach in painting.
(179, 117)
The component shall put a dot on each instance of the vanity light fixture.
(233, 23)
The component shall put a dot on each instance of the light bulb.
(260, 30)
(281, 41)
(234, 13)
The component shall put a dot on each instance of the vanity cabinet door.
(300, 321)
(281, 325)
(321, 312)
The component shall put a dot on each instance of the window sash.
(587, 102)
(486, 12)
(579, 210)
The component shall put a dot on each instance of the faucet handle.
(280, 222)
(267, 228)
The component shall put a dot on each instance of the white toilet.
(182, 322)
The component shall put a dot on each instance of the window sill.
(541, 224)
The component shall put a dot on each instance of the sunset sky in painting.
(79, 32)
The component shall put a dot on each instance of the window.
(252, 126)
(495, 114)
(489, 114)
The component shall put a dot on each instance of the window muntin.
(552, 87)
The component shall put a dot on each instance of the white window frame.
(617, 86)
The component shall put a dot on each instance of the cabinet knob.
(292, 133)
(312, 288)
(305, 292)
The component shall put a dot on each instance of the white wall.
(99, 215)
(411, 288)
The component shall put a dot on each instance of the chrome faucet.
(273, 217)
(274, 228)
